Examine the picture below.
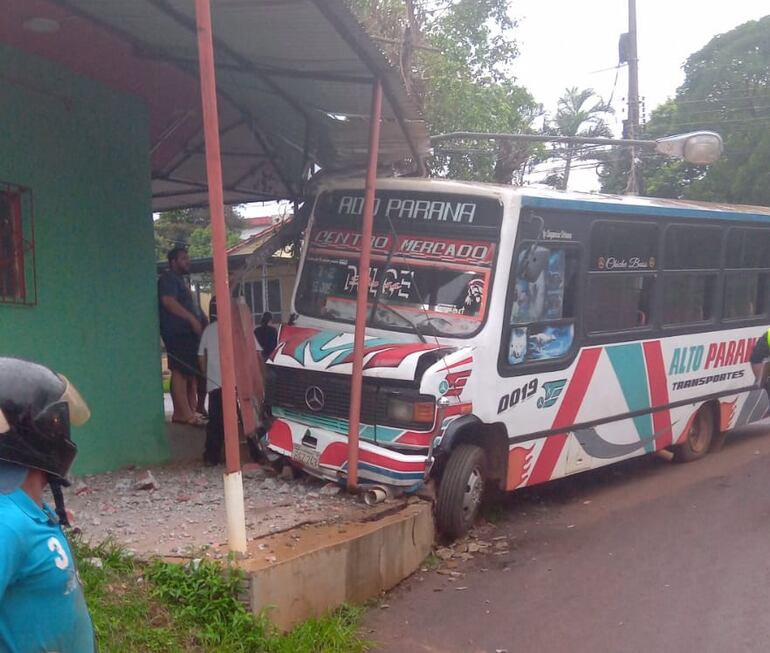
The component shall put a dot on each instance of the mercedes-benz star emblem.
(314, 398)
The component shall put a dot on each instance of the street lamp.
(698, 148)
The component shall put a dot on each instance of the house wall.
(83, 149)
(286, 271)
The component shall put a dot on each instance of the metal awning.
(294, 80)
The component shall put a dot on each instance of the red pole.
(233, 483)
(362, 297)
(218, 237)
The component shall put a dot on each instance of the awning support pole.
(357, 377)
(233, 483)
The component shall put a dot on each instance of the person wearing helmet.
(42, 607)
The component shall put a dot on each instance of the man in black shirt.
(180, 329)
(266, 334)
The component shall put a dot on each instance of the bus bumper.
(324, 453)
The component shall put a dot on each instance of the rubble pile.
(179, 510)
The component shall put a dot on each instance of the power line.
(722, 98)
(723, 111)
(702, 123)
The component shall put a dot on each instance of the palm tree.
(578, 113)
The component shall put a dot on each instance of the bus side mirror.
(532, 263)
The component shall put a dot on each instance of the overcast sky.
(575, 43)
(564, 42)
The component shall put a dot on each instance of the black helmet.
(37, 407)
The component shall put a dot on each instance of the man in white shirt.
(208, 357)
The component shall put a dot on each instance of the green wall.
(83, 149)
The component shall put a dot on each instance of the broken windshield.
(429, 284)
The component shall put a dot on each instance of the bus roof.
(652, 206)
(547, 198)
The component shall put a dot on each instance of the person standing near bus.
(208, 358)
(180, 329)
(266, 334)
(759, 355)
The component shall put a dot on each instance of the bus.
(518, 335)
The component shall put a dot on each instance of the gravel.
(179, 510)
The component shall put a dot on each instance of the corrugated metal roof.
(253, 243)
(294, 80)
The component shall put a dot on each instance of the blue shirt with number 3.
(42, 607)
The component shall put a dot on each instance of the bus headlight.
(407, 412)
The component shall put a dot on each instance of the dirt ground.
(178, 510)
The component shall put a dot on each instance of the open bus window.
(623, 269)
(618, 301)
(542, 310)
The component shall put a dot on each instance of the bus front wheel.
(461, 490)
(699, 437)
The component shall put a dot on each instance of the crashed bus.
(516, 335)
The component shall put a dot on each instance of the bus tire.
(699, 437)
(461, 490)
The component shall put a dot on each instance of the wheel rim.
(697, 436)
(474, 490)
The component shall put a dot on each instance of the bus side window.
(541, 325)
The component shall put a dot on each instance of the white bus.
(518, 335)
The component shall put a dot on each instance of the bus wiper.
(398, 313)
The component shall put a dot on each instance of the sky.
(565, 42)
(575, 43)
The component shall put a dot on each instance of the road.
(646, 556)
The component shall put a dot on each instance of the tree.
(578, 113)
(455, 56)
(199, 245)
(727, 90)
(192, 228)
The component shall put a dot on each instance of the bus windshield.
(430, 276)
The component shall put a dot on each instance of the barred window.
(17, 252)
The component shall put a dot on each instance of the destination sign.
(417, 207)
(427, 247)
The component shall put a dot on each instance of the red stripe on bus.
(570, 405)
(658, 381)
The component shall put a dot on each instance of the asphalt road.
(646, 556)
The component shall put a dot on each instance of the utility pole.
(632, 187)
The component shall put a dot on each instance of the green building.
(100, 125)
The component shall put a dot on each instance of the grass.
(432, 562)
(159, 607)
(166, 380)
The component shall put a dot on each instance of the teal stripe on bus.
(628, 362)
(601, 206)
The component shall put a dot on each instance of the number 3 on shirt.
(62, 559)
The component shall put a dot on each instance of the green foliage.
(168, 608)
(123, 618)
(727, 90)
(192, 227)
(199, 244)
(454, 57)
(203, 598)
(337, 633)
(578, 113)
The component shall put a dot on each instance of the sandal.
(195, 420)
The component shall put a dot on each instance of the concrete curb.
(319, 568)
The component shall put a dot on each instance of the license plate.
(306, 456)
